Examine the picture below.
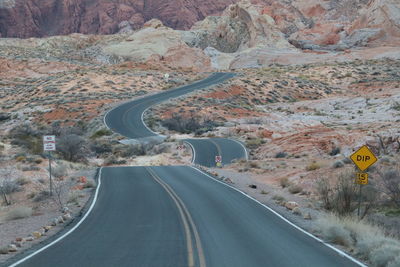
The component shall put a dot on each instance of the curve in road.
(127, 120)
(180, 216)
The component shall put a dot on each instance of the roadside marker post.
(363, 158)
(49, 144)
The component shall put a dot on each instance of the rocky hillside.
(245, 34)
(38, 18)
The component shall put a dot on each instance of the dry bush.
(341, 196)
(72, 147)
(7, 184)
(189, 124)
(295, 189)
(90, 184)
(313, 166)
(19, 213)
(391, 184)
(367, 240)
(284, 182)
(59, 170)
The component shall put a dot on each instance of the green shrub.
(281, 155)
(338, 164)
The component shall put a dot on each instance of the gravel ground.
(22, 228)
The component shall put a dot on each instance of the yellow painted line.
(182, 206)
(184, 220)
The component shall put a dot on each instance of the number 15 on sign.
(362, 178)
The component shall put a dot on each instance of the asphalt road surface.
(205, 151)
(127, 120)
(177, 216)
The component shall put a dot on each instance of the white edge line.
(340, 252)
(244, 148)
(193, 151)
(141, 117)
(67, 233)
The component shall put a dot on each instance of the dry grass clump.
(284, 182)
(313, 166)
(368, 241)
(19, 213)
(295, 189)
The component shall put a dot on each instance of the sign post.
(49, 144)
(363, 158)
(218, 161)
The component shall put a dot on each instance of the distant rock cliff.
(38, 18)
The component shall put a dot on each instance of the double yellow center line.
(188, 223)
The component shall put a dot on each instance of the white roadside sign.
(49, 143)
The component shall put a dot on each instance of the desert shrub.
(281, 155)
(338, 164)
(73, 197)
(313, 166)
(100, 147)
(100, 133)
(279, 199)
(72, 147)
(90, 184)
(334, 151)
(367, 240)
(112, 160)
(254, 164)
(158, 149)
(395, 262)
(346, 161)
(28, 137)
(22, 181)
(341, 197)
(59, 170)
(4, 116)
(3, 250)
(189, 124)
(382, 255)
(254, 143)
(19, 213)
(284, 182)
(42, 196)
(295, 189)
(7, 185)
(391, 184)
(30, 168)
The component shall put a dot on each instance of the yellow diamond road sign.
(363, 158)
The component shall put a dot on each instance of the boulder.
(290, 205)
(296, 211)
(12, 248)
(67, 216)
(36, 234)
(307, 216)
(60, 219)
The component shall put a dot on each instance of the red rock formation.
(29, 18)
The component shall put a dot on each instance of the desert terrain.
(315, 80)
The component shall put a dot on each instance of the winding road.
(178, 215)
